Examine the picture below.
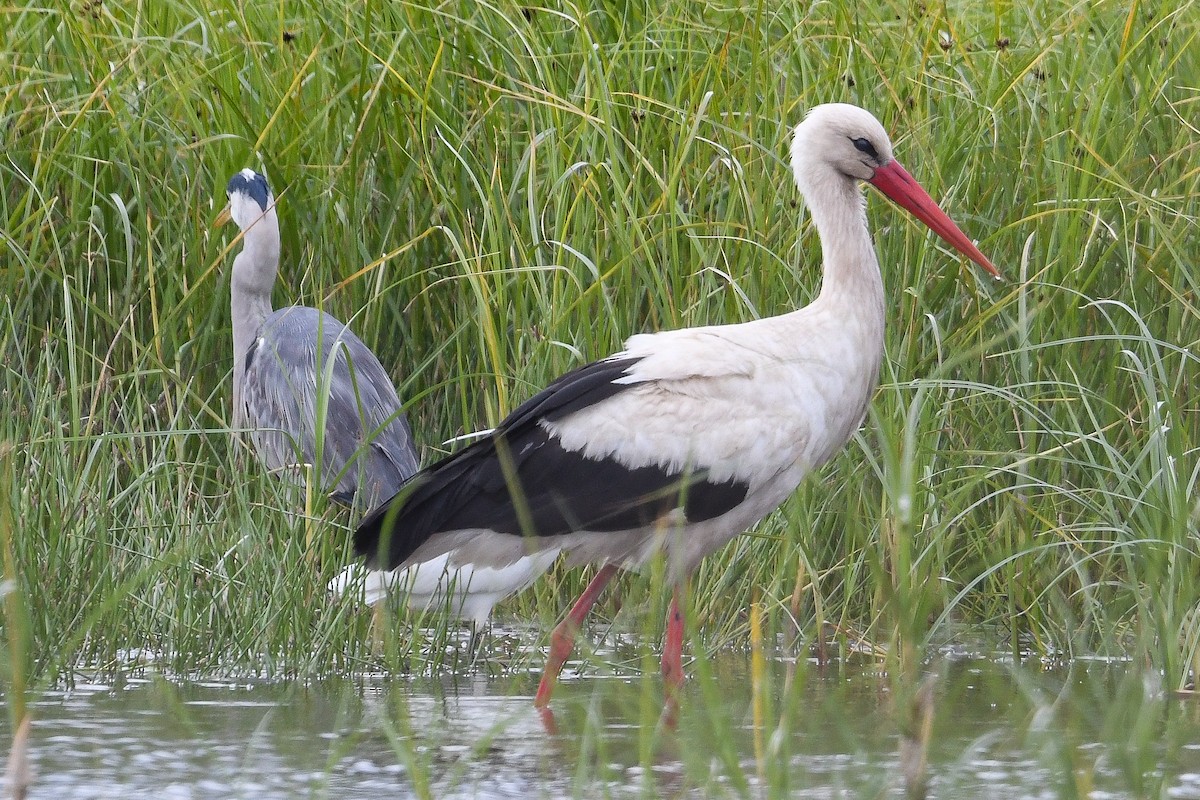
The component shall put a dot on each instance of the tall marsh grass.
(494, 193)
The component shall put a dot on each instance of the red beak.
(900, 187)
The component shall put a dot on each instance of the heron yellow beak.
(222, 218)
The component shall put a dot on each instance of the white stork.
(685, 438)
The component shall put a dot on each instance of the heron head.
(249, 198)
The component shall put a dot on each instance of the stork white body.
(468, 592)
(357, 440)
(759, 404)
(685, 438)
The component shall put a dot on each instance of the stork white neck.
(851, 268)
(253, 278)
(851, 284)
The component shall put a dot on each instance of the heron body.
(685, 438)
(366, 447)
(310, 392)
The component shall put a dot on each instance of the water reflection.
(997, 732)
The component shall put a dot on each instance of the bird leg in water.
(562, 641)
(672, 658)
(672, 663)
(477, 633)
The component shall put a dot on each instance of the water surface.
(1094, 729)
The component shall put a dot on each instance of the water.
(1103, 730)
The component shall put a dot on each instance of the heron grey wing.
(278, 400)
(362, 397)
(301, 355)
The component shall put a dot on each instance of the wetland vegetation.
(492, 194)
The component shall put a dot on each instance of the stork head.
(838, 139)
(249, 198)
(841, 137)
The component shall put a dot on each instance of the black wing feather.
(557, 491)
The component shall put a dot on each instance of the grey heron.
(310, 392)
(688, 437)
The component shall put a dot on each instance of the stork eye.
(865, 146)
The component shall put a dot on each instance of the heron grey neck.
(253, 278)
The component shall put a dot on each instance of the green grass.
(493, 194)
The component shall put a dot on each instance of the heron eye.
(865, 146)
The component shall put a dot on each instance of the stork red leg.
(562, 641)
(672, 664)
(672, 658)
